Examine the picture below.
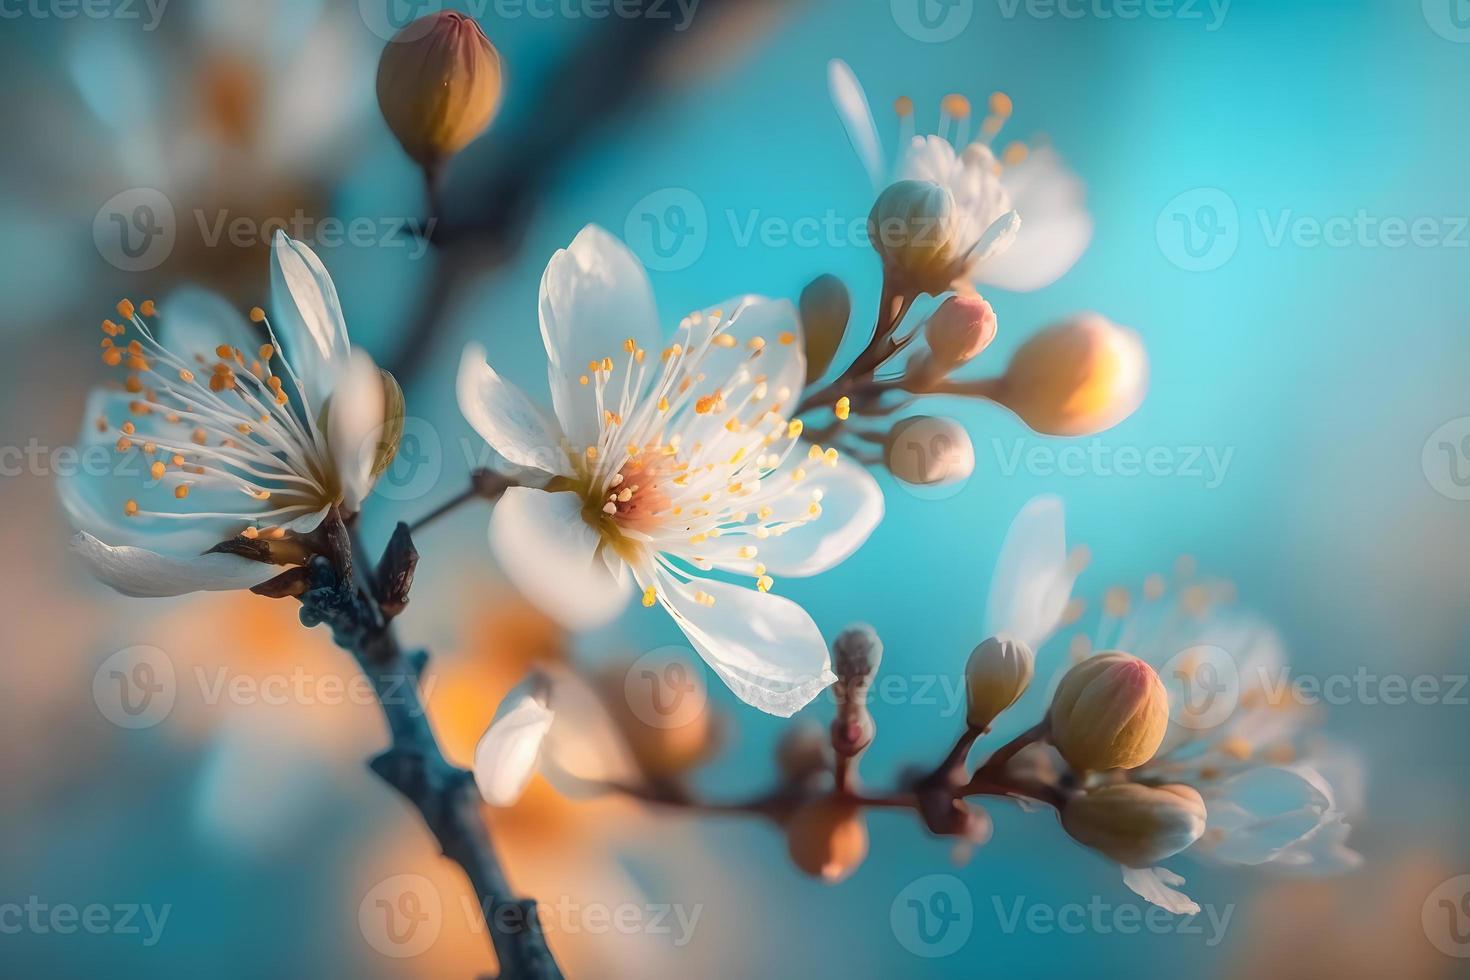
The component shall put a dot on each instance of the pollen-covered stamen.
(215, 419)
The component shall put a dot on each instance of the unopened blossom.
(1077, 377)
(1109, 712)
(996, 675)
(828, 838)
(1015, 220)
(233, 435)
(509, 753)
(958, 331)
(669, 459)
(1138, 826)
(825, 307)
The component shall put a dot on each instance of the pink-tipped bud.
(1136, 825)
(1109, 712)
(1077, 377)
(438, 86)
(960, 329)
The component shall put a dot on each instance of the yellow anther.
(956, 105)
(257, 315)
(112, 357)
(131, 508)
(746, 551)
(591, 452)
(1014, 154)
(830, 457)
(156, 470)
(125, 309)
(798, 474)
(844, 408)
(794, 429)
(181, 491)
(663, 404)
(607, 364)
(764, 583)
(1000, 104)
(650, 596)
(629, 345)
(814, 452)
(266, 352)
(757, 343)
(148, 307)
(903, 105)
(225, 351)
(724, 340)
(583, 380)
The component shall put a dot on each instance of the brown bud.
(827, 838)
(1109, 712)
(439, 86)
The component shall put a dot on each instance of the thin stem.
(995, 765)
(893, 306)
(484, 485)
(444, 794)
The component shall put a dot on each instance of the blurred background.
(1250, 168)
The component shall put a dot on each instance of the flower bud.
(961, 328)
(438, 86)
(1077, 377)
(827, 838)
(914, 226)
(1109, 712)
(825, 308)
(1136, 825)
(998, 673)
(856, 654)
(929, 451)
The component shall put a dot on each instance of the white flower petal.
(1033, 578)
(1057, 227)
(355, 418)
(857, 118)
(1153, 886)
(144, 573)
(997, 238)
(506, 419)
(550, 554)
(586, 752)
(1256, 816)
(307, 319)
(508, 753)
(764, 646)
(594, 296)
(852, 506)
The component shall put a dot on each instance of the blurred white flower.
(989, 193)
(225, 445)
(1272, 799)
(666, 462)
(509, 753)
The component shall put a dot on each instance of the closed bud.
(929, 451)
(856, 654)
(438, 86)
(998, 673)
(1077, 377)
(960, 329)
(827, 838)
(1109, 712)
(1136, 825)
(392, 432)
(915, 228)
(825, 308)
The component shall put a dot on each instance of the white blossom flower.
(227, 434)
(1022, 217)
(667, 461)
(1272, 800)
